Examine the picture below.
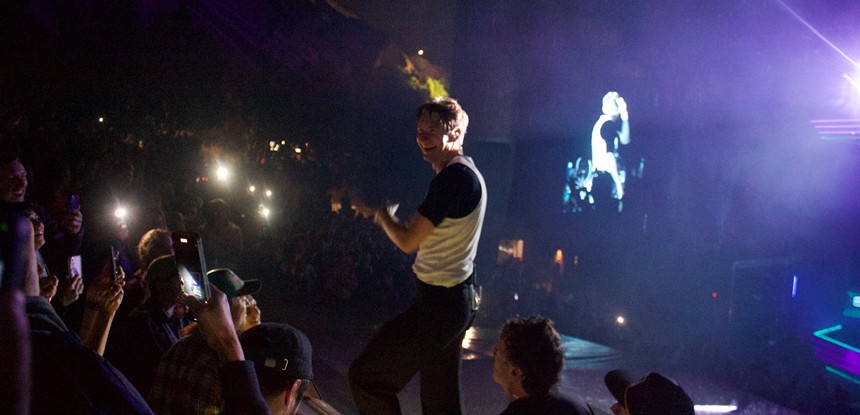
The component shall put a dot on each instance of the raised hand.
(72, 290)
(215, 323)
(48, 286)
(70, 221)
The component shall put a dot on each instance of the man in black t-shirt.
(527, 363)
(427, 337)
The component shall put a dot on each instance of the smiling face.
(13, 181)
(438, 145)
(245, 313)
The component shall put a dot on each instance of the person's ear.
(292, 397)
(456, 134)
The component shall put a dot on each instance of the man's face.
(13, 181)
(502, 367)
(166, 290)
(245, 313)
(436, 143)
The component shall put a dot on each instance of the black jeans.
(425, 338)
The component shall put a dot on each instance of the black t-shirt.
(551, 404)
(454, 193)
(609, 131)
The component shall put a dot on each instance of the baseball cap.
(617, 382)
(279, 351)
(654, 394)
(162, 268)
(230, 284)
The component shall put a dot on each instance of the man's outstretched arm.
(407, 236)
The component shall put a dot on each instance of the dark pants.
(425, 338)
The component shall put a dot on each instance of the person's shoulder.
(569, 405)
(457, 172)
(553, 404)
(193, 342)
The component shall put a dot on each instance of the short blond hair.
(450, 113)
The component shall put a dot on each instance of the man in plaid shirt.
(187, 380)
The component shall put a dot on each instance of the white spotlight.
(222, 173)
(264, 211)
(120, 213)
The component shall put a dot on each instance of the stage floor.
(338, 332)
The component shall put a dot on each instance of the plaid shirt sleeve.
(187, 380)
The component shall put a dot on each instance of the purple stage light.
(834, 350)
(837, 129)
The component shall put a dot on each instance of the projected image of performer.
(611, 130)
(426, 338)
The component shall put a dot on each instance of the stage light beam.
(817, 33)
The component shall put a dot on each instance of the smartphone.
(188, 248)
(75, 268)
(114, 257)
(73, 202)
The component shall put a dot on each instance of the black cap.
(656, 394)
(163, 268)
(617, 382)
(231, 285)
(278, 349)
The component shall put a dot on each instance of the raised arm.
(406, 236)
(239, 386)
(624, 134)
(102, 301)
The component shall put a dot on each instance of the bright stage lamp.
(264, 211)
(252, 188)
(222, 173)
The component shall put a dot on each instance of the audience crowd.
(121, 339)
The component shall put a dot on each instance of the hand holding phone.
(188, 248)
(74, 285)
(75, 267)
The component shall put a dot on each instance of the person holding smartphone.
(61, 215)
(64, 294)
(151, 328)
